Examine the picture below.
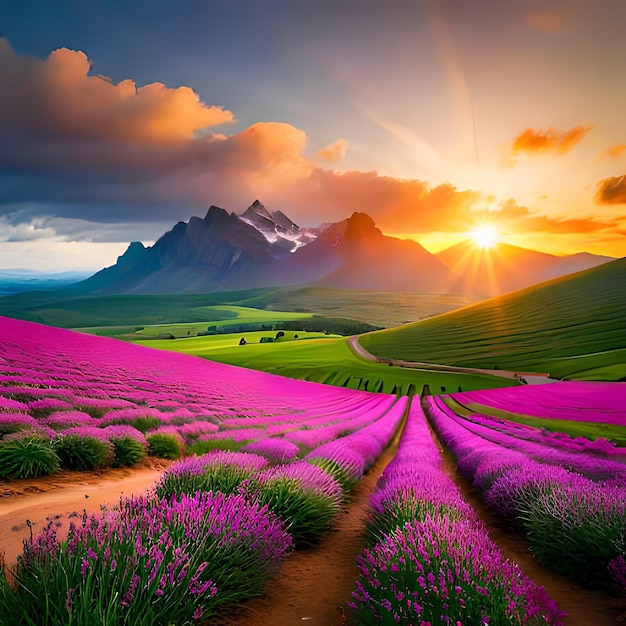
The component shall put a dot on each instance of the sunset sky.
(120, 118)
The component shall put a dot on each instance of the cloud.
(549, 140)
(397, 205)
(546, 21)
(518, 218)
(24, 231)
(614, 152)
(333, 152)
(57, 98)
(612, 190)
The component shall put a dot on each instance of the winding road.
(524, 377)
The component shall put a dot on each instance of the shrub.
(78, 452)
(128, 451)
(15, 422)
(274, 449)
(302, 495)
(144, 424)
(218, 471)
(27, 457)
(208, 445)
(151, 562)
(440, 567)
(342, 473)
(165, 446)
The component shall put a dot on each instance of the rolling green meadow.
(572, 327)
(324, 359)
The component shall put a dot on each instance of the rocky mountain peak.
(133, 253)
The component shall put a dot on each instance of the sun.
(485, 237)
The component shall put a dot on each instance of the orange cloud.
(521, 219)
(547, 21)
(614, 152)
(550, 140)
(612, 190)
(57, 98)
(333, 152)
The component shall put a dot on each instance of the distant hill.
(506, 268)
(573, 326)
(19, 280)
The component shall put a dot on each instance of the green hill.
(572, 327)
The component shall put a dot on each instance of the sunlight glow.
(484, 237)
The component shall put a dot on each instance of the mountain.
(506, 268)
(353, 254)
(264, 249)
(198, 256)
(371, 260)
(277, 228)
(573, 326)
(18, 280)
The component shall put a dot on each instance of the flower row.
(430, 559)
(574, 524)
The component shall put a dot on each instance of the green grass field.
(220, 316)
(572, 327)
(326, 360)
(66, 310)
(379, 308)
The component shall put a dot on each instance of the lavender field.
(264, 465)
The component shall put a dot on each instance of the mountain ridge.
(261, 248)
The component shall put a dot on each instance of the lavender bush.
(149, 562)
(216, 471)
(274, 449)
(445, 571)
(574, 524)
(305, 497)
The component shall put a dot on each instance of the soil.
(64, 493)
(313, 584)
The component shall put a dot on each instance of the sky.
(120, 118)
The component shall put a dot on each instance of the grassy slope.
(63, 309)
(204, 346)
(379, 308)
(326, 360)
(571, 327)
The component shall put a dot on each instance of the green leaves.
(27, 457)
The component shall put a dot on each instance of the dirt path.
(313, 584)
(533, 378)
(64, 493)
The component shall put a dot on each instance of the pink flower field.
(54, 381)
(270, 463)
(569, 400)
